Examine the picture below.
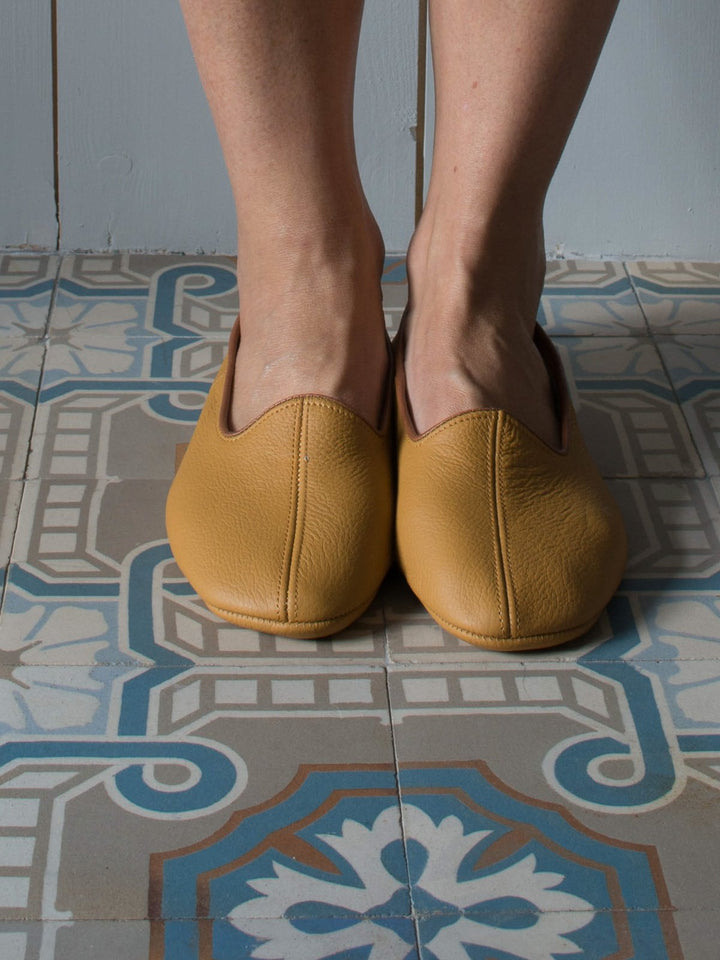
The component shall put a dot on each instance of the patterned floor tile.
(693, 364)
(698, 932)
(92, 566)
(172, 296)
(27, 282)
(67, 940)
(181, 788)
(678, 297)
(626, 408)
(673, 530)
(572, 801)
(175, 788)
(120, 408)
(10, 495)
(502, 873)
(627, 694)
(589, 298)
(679, 651)
(21, 361)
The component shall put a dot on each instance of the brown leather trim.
(228, 383)
(553, 365)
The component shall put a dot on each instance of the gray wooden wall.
(107, 141)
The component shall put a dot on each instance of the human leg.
(281, 511)
(510, 77)
(505, 529)
(279, 78)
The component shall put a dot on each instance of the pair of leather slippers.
(287, 526)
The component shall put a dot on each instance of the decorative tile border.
(21, 361)
(27, 282)
(627, 408)
(589, 298)
(676, 296)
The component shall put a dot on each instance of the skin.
(510, 77)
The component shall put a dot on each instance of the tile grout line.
(653, 338)
(44, 339)
(396, 763)
(638, 301)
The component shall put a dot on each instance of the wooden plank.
(140, 166)
(27, 198)
(639, 176)
(386, 115)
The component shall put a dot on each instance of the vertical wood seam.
(55, 132)
(420, 127)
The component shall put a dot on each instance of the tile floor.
(172, 787)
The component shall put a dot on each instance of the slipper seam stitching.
(301, 506)
(491, 480)
(284, 575)
(513, 615)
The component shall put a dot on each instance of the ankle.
(489, 269)
(333, 270)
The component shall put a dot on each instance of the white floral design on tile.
(553, 914)
(42, 692)
(98, 345)
(21, 361)
(589, 316)
(23, 318)
(681, 314)
(48, 698)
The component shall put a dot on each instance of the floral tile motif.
(589, 298)
(486, 868)
(678, 297)
(38, 700)
(626, 408)
(681, 648)
(148, 295)
(328, 876)
(27, 282)
(495, 871)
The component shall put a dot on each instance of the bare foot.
(470, 327)
(453, 367)
(314, 326)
